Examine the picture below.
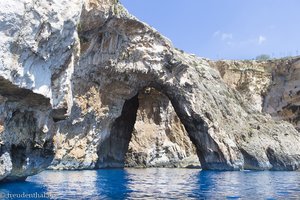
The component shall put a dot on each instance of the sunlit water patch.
(156, 184)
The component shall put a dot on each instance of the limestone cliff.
(271, 86)
(123, 55)
(37, 53)
(76, 69)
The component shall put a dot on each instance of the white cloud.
(223, 36)
(230, 43)
(226, 36)
(216, 34)
(261, 39)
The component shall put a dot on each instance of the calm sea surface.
(156, 184)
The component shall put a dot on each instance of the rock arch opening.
(148, 134)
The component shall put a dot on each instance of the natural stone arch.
(148, 134)
(197, 125)
(121, 55)
(86, 68)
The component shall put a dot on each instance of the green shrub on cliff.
(263, 57)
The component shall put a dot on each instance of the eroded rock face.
(148, 134)
(159, 139)
(85, 60)
(37, 56)
(271, 86)
(26, 133)
(120, 56)
(251, 78)
(113, 149)
(283, 98)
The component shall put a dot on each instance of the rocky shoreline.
(85, 85)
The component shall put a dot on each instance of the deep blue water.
(159, 184)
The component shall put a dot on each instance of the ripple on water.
(159, 184)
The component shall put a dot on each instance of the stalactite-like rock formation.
(70, 68)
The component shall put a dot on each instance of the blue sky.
(225, 29)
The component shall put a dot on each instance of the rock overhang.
(99, 45)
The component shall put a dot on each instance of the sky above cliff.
(225, 29)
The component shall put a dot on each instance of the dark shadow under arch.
(112, 151)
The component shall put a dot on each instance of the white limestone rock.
(38, 41)
(69, 68)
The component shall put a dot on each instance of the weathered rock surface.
(159, 139)
(37, 52)
(156, 137)
(120, 56)
(25, 132)
(271, 86)
(81, 63)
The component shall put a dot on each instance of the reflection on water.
(160, 183)
(68, 183)
(20, 188)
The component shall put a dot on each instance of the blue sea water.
(156, 183)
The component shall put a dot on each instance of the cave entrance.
(148, 134)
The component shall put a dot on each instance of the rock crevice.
(79, 63)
